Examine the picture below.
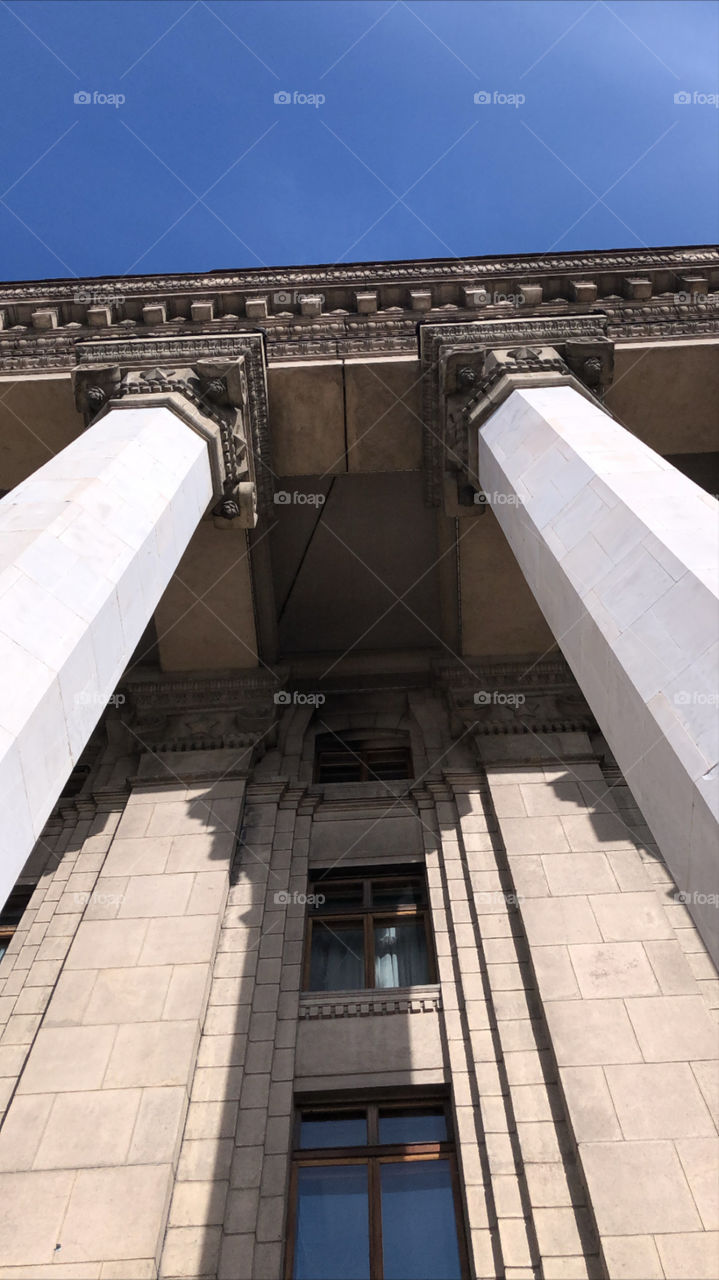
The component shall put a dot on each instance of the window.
(374, 1195)
(12, 913)
(368, 932)
(362, 758)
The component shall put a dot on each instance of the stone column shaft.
(88, 544)
(620, 551)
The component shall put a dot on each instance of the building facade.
(358, 763)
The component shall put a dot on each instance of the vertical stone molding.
(620, 551)
(89, 544)
(90, 1143)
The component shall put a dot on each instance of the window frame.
(367, 916)
(374, 1154)
(360, 750)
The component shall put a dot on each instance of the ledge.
(363, 1004)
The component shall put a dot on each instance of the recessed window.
(12, 913)
(368, 932)
(362, 758)
(374, 1195)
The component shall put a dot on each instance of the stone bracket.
(218, 388)
(469, 370)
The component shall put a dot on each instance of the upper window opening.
(355, 757)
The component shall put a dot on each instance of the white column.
(87, 546)
(621, 553)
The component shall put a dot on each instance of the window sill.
(362, 1004)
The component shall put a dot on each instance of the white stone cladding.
(622, 554)
(89, 544)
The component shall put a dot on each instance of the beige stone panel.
(135, 1269)
(673, 1028)
(632, 1258)
(593, 1118)
(191, 1252)
(591, 1032)
(128, 995)
(38, 418)
(70, 998)
(158, 1130)
(384, 414)
(306, 402)
(87, 1129)
(236, 1256)
(400, 1042)
(707, 1077)
(208, 852)
(197, 1204)
(658, 1100)
(613, 969)
(189, 940)
(638, 1188)
(165, 895)
(549, 1187)
(59, 1271)
(152, 1054)
(137, 857)
(499, 612)
(672, 972)
(33, 1206)
(559, 920)
(560, 1231)
(700, 1159)
(597, 831)
(668, 392)
(691, 1256)
(209, 892)
(623, 917)
(552, 798)
(63, 1059)
(205, 619)
(578, 873)
(178, 818)
(555, 976)
(533, 835)
(107, 944)
(116, 1213)
(187, 994)
(22, 1130)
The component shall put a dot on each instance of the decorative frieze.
(364, 1004)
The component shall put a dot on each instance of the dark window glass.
(427, 1125)
(337, 957)
(375, 1195)
(361, 759)
(332, 1240)
(419, 1226)
(383, 943)
(333, 1129)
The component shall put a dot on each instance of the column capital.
(468, 370)
(222, 398)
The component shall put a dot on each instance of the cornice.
(326, 311)
(318, 1006)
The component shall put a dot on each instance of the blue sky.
(200, 168)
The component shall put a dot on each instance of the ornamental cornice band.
(352, 1004)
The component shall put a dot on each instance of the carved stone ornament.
(211, 396)
(468, 370)
(512, 698)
